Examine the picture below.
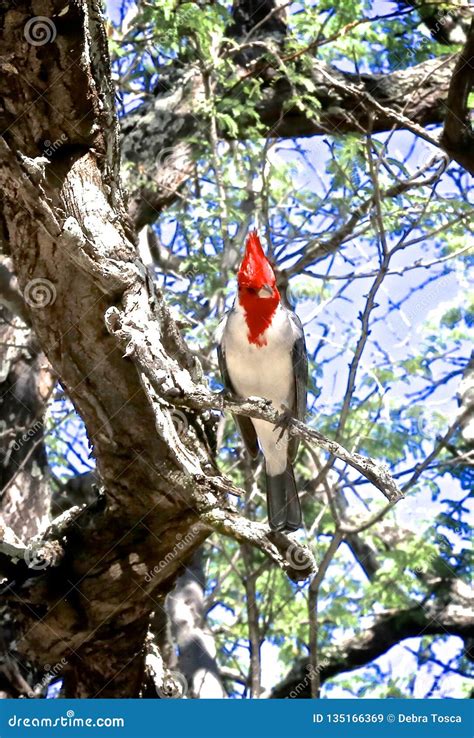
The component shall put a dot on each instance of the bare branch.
(316, 250)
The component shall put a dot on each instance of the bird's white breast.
(263, 370)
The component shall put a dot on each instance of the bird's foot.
(283, 421)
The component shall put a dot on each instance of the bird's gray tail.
(283, 504)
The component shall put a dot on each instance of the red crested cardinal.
(262, 352)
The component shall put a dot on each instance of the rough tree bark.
(25, 384)
(26, 381)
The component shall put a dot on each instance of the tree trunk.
(26, 381)
(93, 609)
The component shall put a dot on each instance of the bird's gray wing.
(247, 431)
(300, 373)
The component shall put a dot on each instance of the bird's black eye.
(252, 290)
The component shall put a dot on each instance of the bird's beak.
(265, 291)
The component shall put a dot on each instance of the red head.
(258, 293)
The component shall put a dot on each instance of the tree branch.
(255, 407)
(436, 617)
(154, 135)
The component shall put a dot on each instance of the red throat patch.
(256, 274)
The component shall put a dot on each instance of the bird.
(262, 352)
